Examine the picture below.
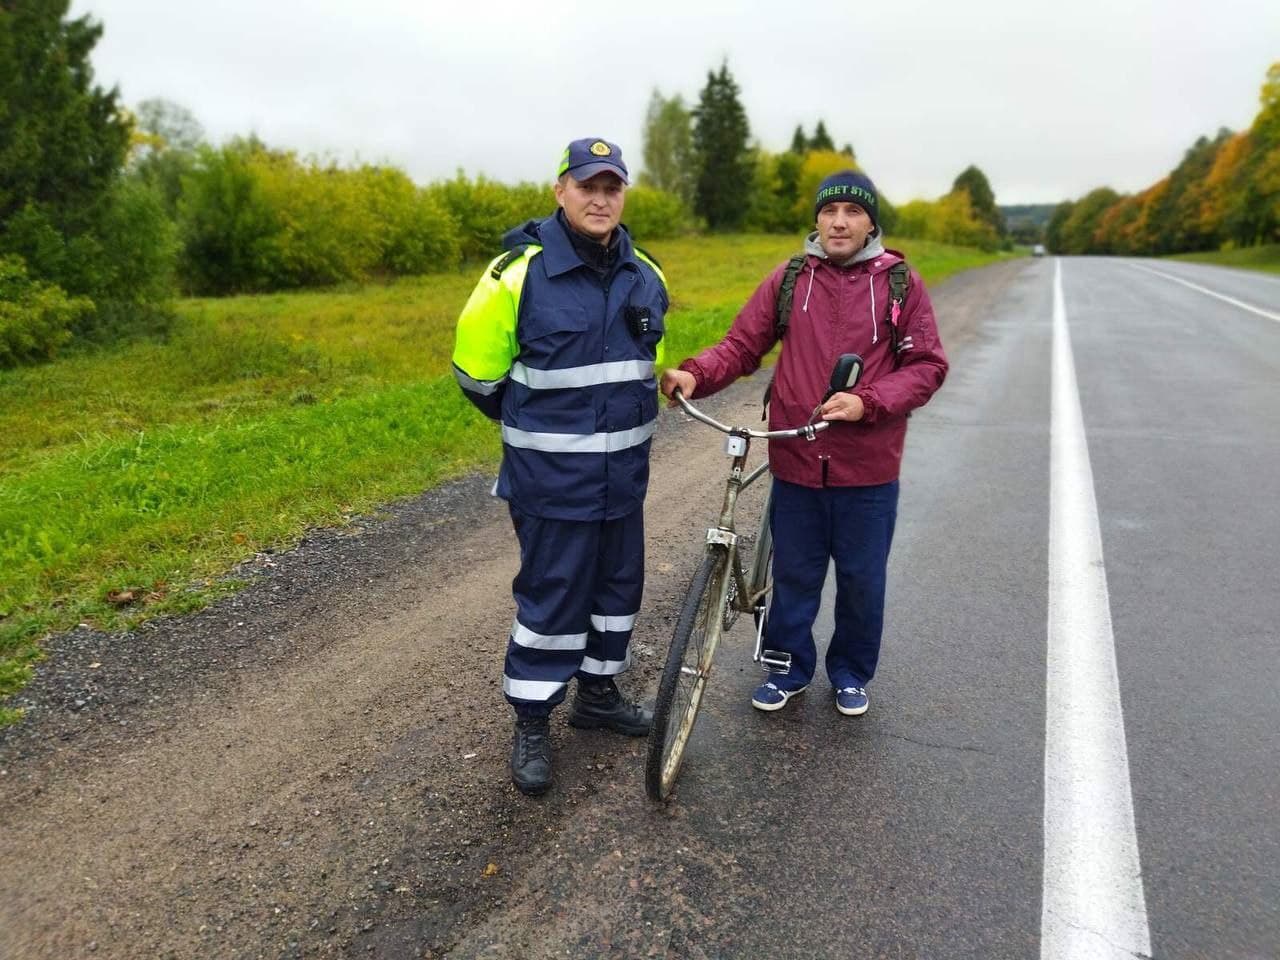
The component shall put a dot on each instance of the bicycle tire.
(683, 682)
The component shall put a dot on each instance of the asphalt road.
(919, 830)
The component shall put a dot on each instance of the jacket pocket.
(550, 321)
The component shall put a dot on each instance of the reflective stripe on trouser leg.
(862, 519)
(619, 583)
(801, 551)
(553, 611)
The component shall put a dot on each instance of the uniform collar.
(558, 252)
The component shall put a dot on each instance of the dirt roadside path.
(302, 768)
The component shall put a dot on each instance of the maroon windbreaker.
(835, 310)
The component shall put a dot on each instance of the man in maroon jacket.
(835, 497)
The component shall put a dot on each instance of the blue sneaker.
(852, 701)
(769, 696)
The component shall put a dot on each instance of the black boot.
(599, 703)
(531, 755)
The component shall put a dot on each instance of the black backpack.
(899, 286)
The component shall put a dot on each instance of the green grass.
(155, 467)
(1265, 257)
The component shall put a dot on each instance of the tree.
(1253, 214)
(720, 137)
(166, 138)
(173, 125)
(1082, 223)
(669, 162)
(65, 212)
(799, 142)
(62, 139)
(821, 140)
(1057, 220)
(983, 200)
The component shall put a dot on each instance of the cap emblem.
(600, 148)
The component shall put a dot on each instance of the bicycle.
(720, 592)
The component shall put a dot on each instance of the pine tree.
(821, 140)
(799, 142)
(720, 137)
(62, 139)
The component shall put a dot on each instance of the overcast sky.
(1049, 99)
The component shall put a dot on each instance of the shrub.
(418, 234)
(485, 210)
(36, 318)
(653, 214)
(124, 265)
(775, 194)
(139, 247)
(949, 219)
(226, 224)
(328, 232)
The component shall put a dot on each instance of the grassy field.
(1266, 257)
(133, 479)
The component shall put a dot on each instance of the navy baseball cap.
(584, 158)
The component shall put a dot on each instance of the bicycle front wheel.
(684, 678)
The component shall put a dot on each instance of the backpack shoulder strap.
(899, 281)
(786, 294)
(782, 315)
(899, 285)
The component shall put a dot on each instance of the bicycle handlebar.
(808, 430)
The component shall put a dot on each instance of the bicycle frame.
(739, 595)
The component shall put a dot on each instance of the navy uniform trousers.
(854, 527)
(577, 596)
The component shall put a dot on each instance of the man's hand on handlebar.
(671, 379)
(843, 406)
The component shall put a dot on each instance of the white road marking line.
(1269, 314)
(1094, 907)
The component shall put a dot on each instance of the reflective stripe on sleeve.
(606, 624)
(531, 689)
(579, 442)
(604, 668)
(545, 641)
(485, 388)
(618, 371)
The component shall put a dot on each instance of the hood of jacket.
(527, 232)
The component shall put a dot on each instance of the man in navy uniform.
(559, 342)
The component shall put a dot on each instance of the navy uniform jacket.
(566, 359)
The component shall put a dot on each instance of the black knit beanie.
(849, 186)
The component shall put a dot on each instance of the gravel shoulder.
(317, 765)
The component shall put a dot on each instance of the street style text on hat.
(849, 186)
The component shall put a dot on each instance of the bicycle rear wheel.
(684, 678)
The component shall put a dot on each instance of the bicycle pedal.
(776, 661)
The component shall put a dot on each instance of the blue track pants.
(853, 526)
